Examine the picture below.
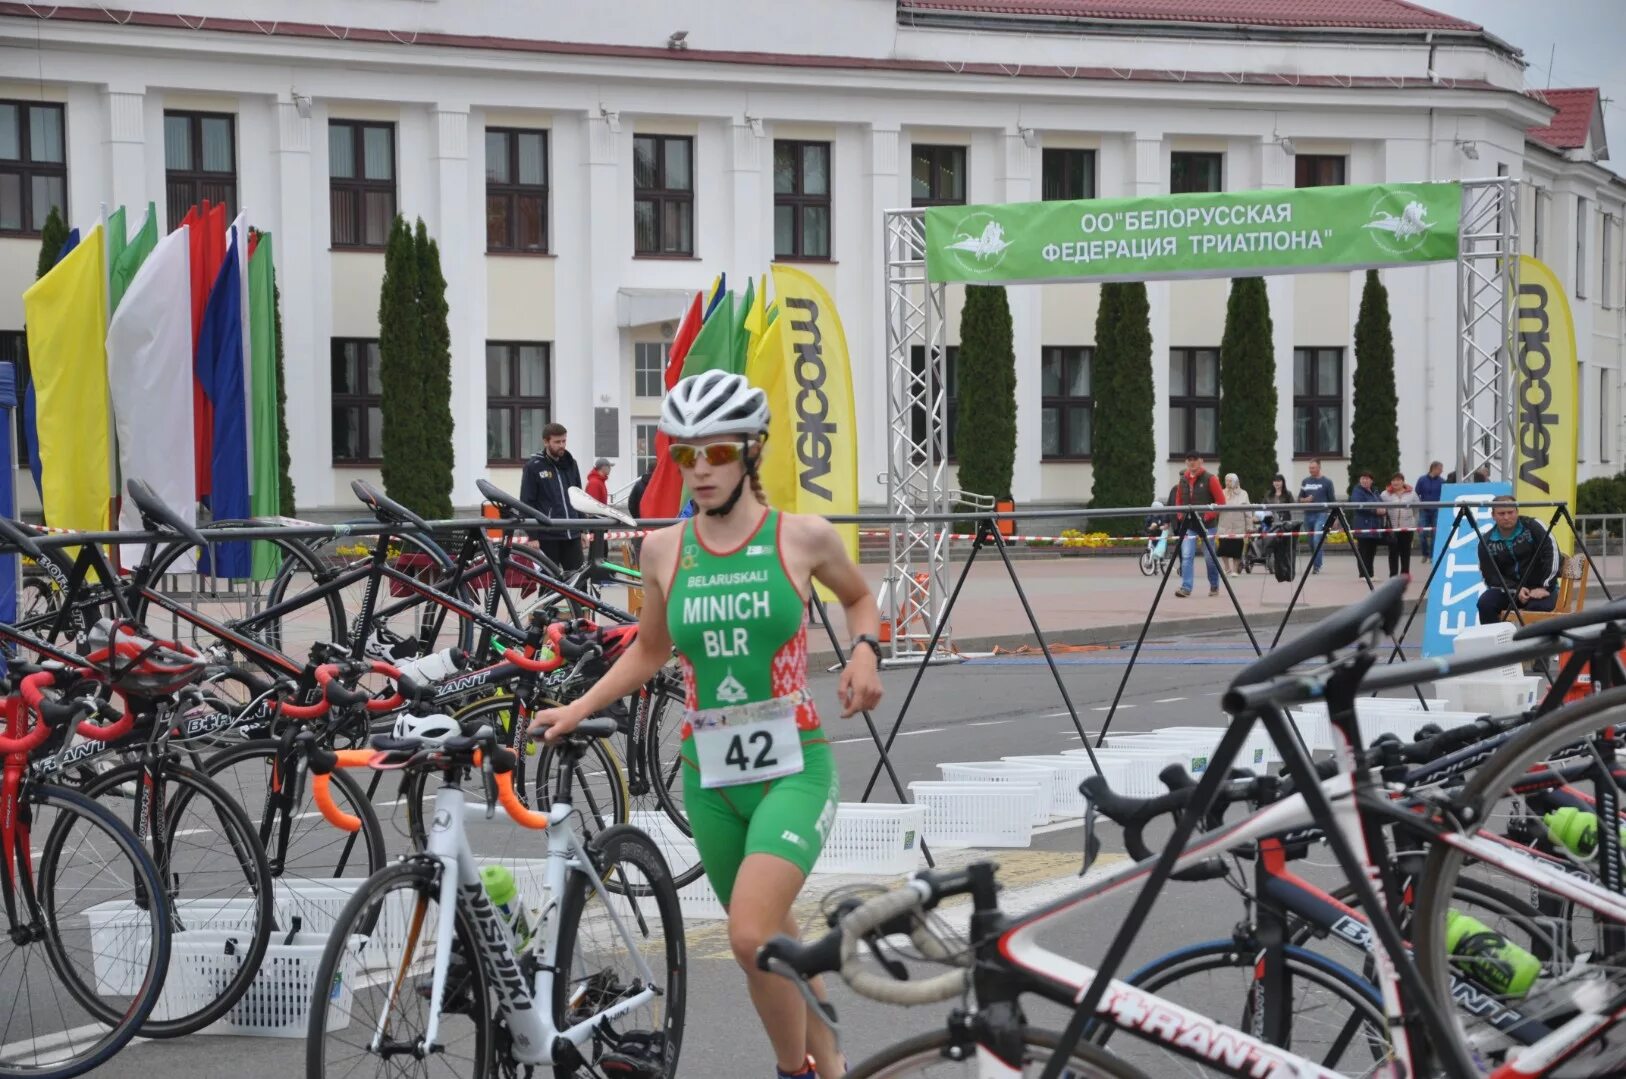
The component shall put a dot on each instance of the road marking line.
(923, 730)
(1107, 708)
(844, 741)
(1169, 700)
(993, 722)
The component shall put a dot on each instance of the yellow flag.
(765, 369)
(67, 327)
(1546, 396)
(818, 383)
(756, 318)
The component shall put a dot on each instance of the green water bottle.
(1576, 830)
(500, 889)
(1490, 958)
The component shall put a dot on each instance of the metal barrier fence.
(1604, 537)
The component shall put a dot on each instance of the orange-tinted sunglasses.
(684, 455)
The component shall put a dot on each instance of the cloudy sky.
(1583, 38)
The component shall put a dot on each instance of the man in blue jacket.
(548, 475)
(1316, 490)
(1519, 561)
(1428, 490)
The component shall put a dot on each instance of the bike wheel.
(663, 774)
(1337, 1017)
(596, 967)
(240, 604)
(598, 784)
(929, 1055)
(81, 926)
(1493, 800)
(217, 884)
(1147, 563)
(312, 863)
(404, 623)
(380, 958)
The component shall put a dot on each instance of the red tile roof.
(1321, 14)
(1569, 129)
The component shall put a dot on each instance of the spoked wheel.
(1148, 563)
(381, 959)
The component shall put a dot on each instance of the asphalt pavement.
(977, 710)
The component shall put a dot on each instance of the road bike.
(587, 973)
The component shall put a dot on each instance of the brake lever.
(488, 777)
(893, 967)
(1092, 842)
(815, 1006)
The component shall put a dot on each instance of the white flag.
(149, 376)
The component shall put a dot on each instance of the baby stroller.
(1155, 558)
(1271, 546)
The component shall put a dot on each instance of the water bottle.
(499, 886)
(1490, 958)
(435, 667)
(1576, 830)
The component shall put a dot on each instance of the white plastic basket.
(697, 899)
(1067, 772)
(1491, 694)
(1026, 771)
(1190, 753)
(1258, 751)
(1128, 772)
(977, 814)
(875, 838)
(278, 1001)
(120, 933)
(318, 902)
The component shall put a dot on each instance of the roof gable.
(1579, 118)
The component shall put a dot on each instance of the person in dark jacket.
(635, 499)
(1520, 554)
(1367, 522)
(1428, 490)
(549, 475)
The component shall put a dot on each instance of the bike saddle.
(156, 515)
(385, 508)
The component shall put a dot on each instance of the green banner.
(1224, 234)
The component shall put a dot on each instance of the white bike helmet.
(714, 403)
(433, 729)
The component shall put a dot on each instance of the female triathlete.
(729, 589)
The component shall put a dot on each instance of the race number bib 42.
(747, 750)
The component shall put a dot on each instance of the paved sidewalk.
(1103, 599)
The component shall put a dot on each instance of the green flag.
(742, 333)
(115, 247)
(124, 264)
(714, 348)
(265, 498)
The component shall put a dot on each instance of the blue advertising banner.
(1453, 598)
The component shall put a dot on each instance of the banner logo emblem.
(1399, 230)
(979, 244)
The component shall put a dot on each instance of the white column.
(126, 151)
(462, 258)
(1016, 185)
(1276, 171)
(750, 254)
(591, 377)
(1150, 178)
(305, 310)
(881, 169)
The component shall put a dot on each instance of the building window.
(516, 190)
(1193, 401)
(1319, 170)
(519, 375)
(643, 437)
(937, 176)
(1191, 173)
(200, 162)
(14, 350)
(649, 369)
(1068, 174)
(801, 199)
(950, 391)
(358, 415)
(663, 194)
(361, 171)
(1318, 402)
(1066, 411)
(33, 166)
(1608, 243)
(1583, 225)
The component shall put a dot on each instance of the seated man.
(1524, 554)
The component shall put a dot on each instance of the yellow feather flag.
(67, 328)
(1546, 386)
(818, 388)
(765, 369)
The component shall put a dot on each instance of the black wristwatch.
(865, 638)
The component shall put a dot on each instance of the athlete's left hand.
(860, 686)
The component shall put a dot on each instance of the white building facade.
(587, 166)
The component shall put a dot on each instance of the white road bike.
(596, 985)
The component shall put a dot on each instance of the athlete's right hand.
(552, 724)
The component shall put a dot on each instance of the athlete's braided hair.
(756, 489)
